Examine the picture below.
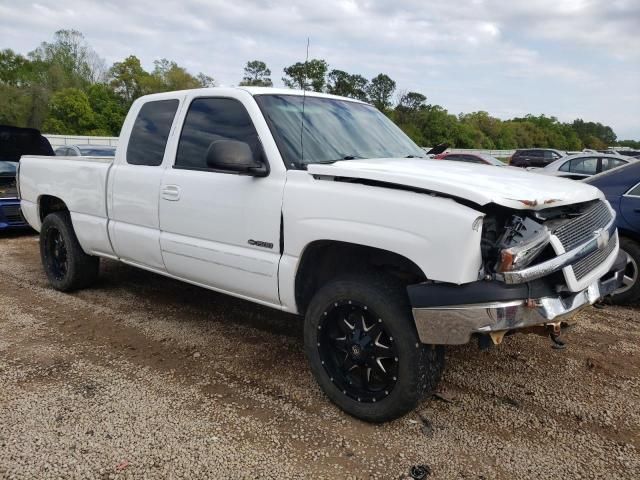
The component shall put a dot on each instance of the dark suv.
(535, 157)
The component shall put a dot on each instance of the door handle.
(171, 193)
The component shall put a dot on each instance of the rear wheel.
(364, 350)
(65, 263)
(629, 292)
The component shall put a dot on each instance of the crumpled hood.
(480, 184)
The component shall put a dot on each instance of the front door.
(219, 228)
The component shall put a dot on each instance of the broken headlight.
(522, 241)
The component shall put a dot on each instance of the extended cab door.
(134, 187)
(220, 228)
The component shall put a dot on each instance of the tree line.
(65, 87)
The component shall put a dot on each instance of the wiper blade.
(346, 157)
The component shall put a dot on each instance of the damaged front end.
(538, 269)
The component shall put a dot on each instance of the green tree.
(205, 80)
(306, 75)
(15, 69)
(411, 101)
(257, 74)
(128, 79)
(109, 108)
(589, 131)
(635, 144)
(345, 84)
(380, 91)
(168, 76)
(71, 58)
(70, 113)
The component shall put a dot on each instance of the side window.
(635, 191)
(150, 133)
(473, 159)
(609, 163)
(586, 166)
(61, 152)
(565, 166)
(211, 119)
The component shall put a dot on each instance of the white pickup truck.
(320, 206)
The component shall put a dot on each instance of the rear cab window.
(150, 132)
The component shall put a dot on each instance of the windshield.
(333, 130)
(8, 169)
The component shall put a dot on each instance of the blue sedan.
(621, 186)
(15, 142)
(10, 216)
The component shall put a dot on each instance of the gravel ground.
(146, 377)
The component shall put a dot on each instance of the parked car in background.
(628, 153)
(584, 165)
(86, 151)
(535, 157)
(15, 142)
(621, 187)
(481, 158)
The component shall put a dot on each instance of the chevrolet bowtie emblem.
(602, 237)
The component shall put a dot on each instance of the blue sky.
(567, 58)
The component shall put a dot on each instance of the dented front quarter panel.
(440, 235)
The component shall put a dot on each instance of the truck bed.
(81, 182)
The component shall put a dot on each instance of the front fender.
(439, 235)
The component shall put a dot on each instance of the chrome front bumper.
(455, 324)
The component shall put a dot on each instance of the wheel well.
(325, 259)
(48, 204)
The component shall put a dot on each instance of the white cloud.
(560, 57)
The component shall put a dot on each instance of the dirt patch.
(143, 376)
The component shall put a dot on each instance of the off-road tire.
(419, 367)
(80, 270)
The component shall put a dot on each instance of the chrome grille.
(582, 268)
(577, 231)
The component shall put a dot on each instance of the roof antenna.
(304, 97)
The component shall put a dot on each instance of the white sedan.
(583, 165)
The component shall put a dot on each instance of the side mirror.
(234, 156)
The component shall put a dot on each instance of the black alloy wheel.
(67, 266)
(357, 351)
(56, 252)
(363, 347)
